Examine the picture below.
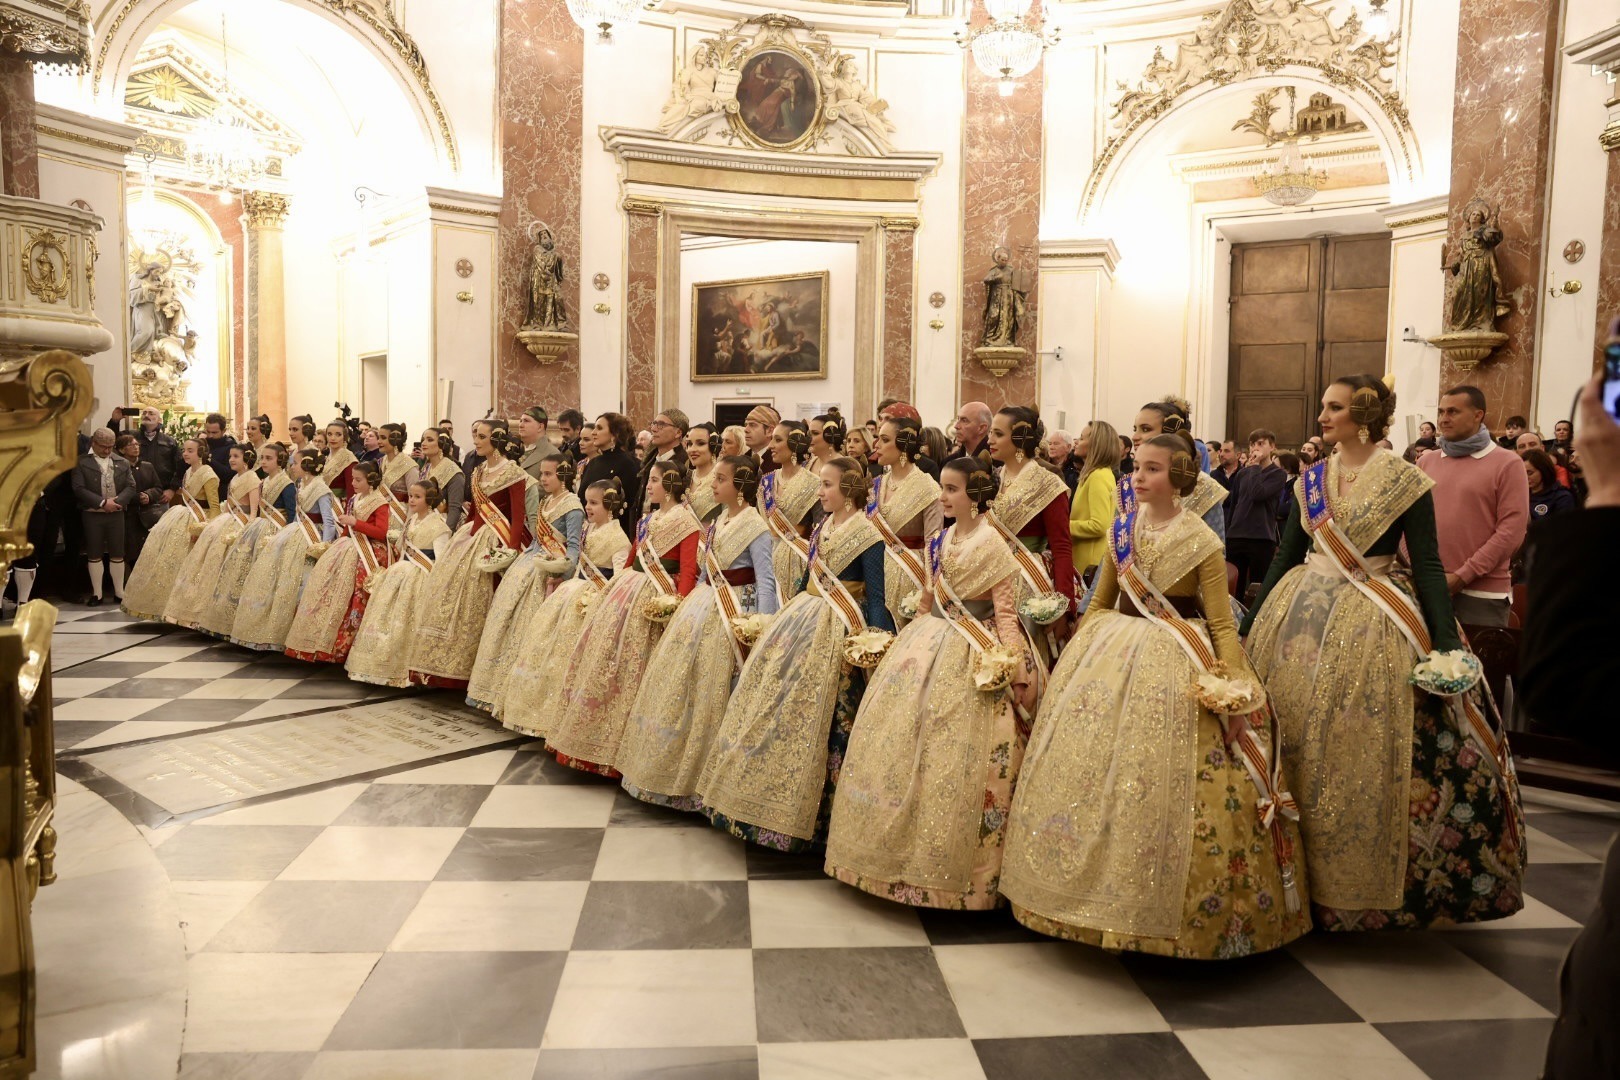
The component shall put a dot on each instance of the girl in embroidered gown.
(557, 524)
(617, 640)
(786, 497)
(905, 507)
(167, 545)
(439, 465)
(276, 579)
(379, 652)
(702, 446)
(458, 594)
(277, 504)
(1032, 514)
(927, 782)
(1167, 418)
(1137, 824)
(335, 595)
(774, 765)
(194, 585)
(683, 698)
(1407, 800)
(531, 700)
(339, 461)
(398, 469)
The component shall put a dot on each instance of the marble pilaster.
(1608, 275)
(899, 302)
(1001, 203)
(643, 222)
(19, 144)
(1506, 53)
(541, 95)
(265, 365)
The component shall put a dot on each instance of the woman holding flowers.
(335, 594)
(1031, 512)
(380, 649)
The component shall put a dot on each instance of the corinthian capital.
(265, 209)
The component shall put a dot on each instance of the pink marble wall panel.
(19, 144)
(1608, 271)
(899, 265)
(641, 316)
(1501, 132)
(542, 75)
(1001, 202)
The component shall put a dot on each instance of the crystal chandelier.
(1377, 18)
(223, 152)
(605, 16)
(1289, 180)
(1007, 47)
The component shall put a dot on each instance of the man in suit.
(149, 504)
(668, 431)
(218, 445)
(537, 444)
(570, 426)
(103, 488)
(159, 450)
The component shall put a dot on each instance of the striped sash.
(311, 531)
(781, 528)
(896, 548)
(276, 516)
(842, 600)
(415, 554)
(194, 506)
(492, 515)
(236, 510)
(651, 564)
(546, 536)
(969, 625)
(724, 597)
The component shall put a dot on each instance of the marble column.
(542, 83)
(264, 383)
(643, 223)
(1608, 270)
(1506, 56)
(899, 302)
(1001, 203)
(19, 144)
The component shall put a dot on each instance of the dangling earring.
(1362, 433)
(975, 511)
(1019, 457)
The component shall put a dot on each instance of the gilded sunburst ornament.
(165, 90)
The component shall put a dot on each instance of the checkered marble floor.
(497, 915)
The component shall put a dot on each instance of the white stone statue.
(162, 343)
(694, 94)
(848, 99)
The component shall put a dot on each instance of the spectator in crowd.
(733, 441)
(1309, 454)
(1285, 502)
(533, 433)
(1563, 438)
(1482, 505)
(1091, 510)
(1127, 456)
(665, 435)
(615, 440)
(447, 428)
(1566, 666)
(757, 430)
(159, 449)
(149, 504)
(1528, 441)
(219, 448)
(858, 448)
(973, 433)
(1060, 448)
(104, 488)
(1548, 495)
(370, 443)
(570, 422)
(1251, 520)
(935, 449)
(1227, 464)
(1516, 426)
(644, 439)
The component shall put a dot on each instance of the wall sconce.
(603, 309)
(936, 324)
(465, 296)
(1568, 288)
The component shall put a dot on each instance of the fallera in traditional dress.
(700, 496)
(276, 579)
(550, 558)
(277, 505)
(774, 763)
(548, 628)
(617, 640)
(683, 697)
(1032, 514)
(457, 597)
(146, 593)
(1410, 811)
(194, 585)
(339, 473)
(335, 595)
(397, 476)
(379, 653)
(906, 512)
(1136, 825)
(921, 811)
(786, 507)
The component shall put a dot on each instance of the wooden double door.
(1304, 312)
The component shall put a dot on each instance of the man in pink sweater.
(1482, 506)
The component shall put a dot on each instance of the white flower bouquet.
(995, 670)
(1447, 673)
(1226, 696)
(866, 649)
(1045, 609)
(908, 605)
(497, 559)
(317, 549)
(660, 607)
(748, 628)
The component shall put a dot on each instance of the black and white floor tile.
(499, 916)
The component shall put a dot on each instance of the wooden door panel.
(1355, 316)
(1341, 358)
(1276, 319)
(1358, 262)
(1272, 367)
(1276, 268)
(1283, 414)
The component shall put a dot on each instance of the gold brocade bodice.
(605, 545)
(1029, 493)
(794, 497)
(733, 535)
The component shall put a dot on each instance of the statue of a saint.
(162, 343)
(1474, 303)
(1003, 302)
(546, 310)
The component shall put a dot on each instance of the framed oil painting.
(760, 328)
(778, 98)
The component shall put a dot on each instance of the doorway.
(374, 385)
(1304, 312)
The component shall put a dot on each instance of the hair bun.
(1173, 425)
(1366, 406)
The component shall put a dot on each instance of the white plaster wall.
(1416, 300)
(769, 259)
(460, 41)
(463, 334)
(1074, 307)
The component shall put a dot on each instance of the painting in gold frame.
(760, 328)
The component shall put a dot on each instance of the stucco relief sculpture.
(778, 85)
(1006, 299)
(1474, 298)
(545, 321)
(162, 339)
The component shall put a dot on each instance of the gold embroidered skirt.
(329, 590)
(789, 567)
(531, 700)
(381, 646)
(146, 593)
(604, 673)
(493, 664)
(270, 593)
(219, 612)
(194, 585)
(451, 608)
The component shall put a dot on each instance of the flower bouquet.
(195, 528)
(660, 607)
(908, 605)
(1447, 673)
(586, 600)
(497, 559)
(1045, 609)
(748, 628)
(317, 549)
(996, 667)
(1226, 696)
(866, 649)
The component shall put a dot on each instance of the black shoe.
(94, 601)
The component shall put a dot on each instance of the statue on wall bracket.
(1005, 303)
(162, 337)
(545, 321)
(1474, 300)
(778, 85)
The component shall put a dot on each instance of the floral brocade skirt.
(270, 593)
(201, 571)
(450, 611)
(219, 613)
(332, 607)
(604, 673)
(531, 700)
(146, 593)
(493, 664)
(378, 655)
